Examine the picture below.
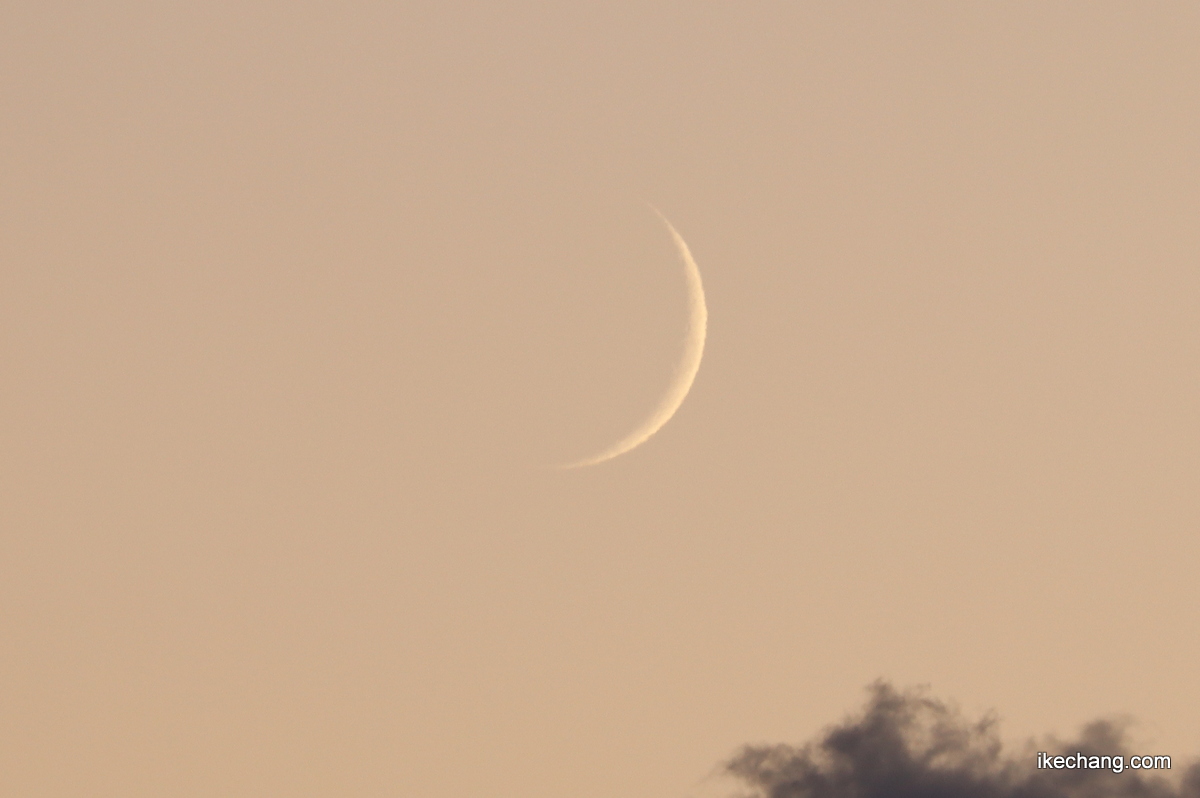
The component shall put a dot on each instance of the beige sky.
(298, 301)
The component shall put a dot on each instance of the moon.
(685, 369)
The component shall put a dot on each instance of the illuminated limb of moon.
(685, 369)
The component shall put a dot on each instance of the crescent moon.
(685, 369)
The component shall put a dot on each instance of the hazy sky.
(300, 301)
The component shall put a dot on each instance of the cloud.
(908, 745)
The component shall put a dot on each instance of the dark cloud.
(908, 745)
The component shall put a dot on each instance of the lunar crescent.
(685, 369)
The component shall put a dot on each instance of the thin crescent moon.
(685, 369)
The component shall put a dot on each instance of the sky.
(301, 303)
